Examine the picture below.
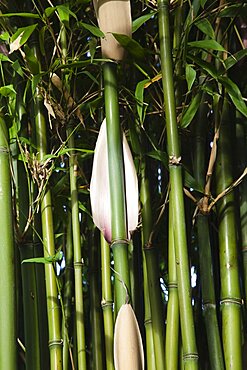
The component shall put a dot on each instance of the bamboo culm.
(117, 187)
(186, 314)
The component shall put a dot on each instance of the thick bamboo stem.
(230, 290)
(204, 244)
(186, 314)
(117, 187)
(7, 287)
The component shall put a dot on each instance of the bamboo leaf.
(7, 90)
(234, 94)
(206, 44)
(4, 58)
(137, 23)
(17, 67)
(49, 11)
(21, 36)
(231, 11)
(132, 46)
(190, 74)
(32, 60)
(92, 29)
(23, 15)
(235, 58)
(191, 182)
(4, 36)
(190, 112)
(51, 259)
(64, 14)
(160, 156)
(205, 26)
(207, 67)
(141, 105)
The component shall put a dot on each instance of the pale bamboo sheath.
(113, 17)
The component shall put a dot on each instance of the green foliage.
(64, 74)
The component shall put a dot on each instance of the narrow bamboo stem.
(80, 325)
(30, 308)
(117, 187)
(172, 330)
(53, 307)
(7, 287)
(95, 311)
(67, 295)
(107, 302)
(146, 232)
(186, 314)
(230, 290)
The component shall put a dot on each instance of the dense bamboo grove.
(123, 240)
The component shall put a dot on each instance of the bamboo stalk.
(53, 306)
(95, 311)
(186, 314)
(241, 164)
(204, 244)
(67, 296)
(79, 309)
(230, 290)
(8, 342)
(107, 302)
(151, 354)
(30, 308)
(117, 187)
(172, 330)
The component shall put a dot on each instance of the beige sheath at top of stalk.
(128, 348)
(113, 17)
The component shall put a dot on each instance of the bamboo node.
(244, 249)
(55, 342)
(208, 304)
(190, 356)
(174, 161)
(148, 246)
(147, 322)
(119, 241)
(105, 303)
(232, 300)
(172, 285)
(79, 263)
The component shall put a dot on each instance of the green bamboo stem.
(242, 161)
(95, 309)
(146, 233)
(172, 326)
(107, 302)
(204, 244)
(8, 343)
(230, 290)
(186, 314)
(30, 308)
(79, 309)
(117, 187)
(67, 296)
(53, 306)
